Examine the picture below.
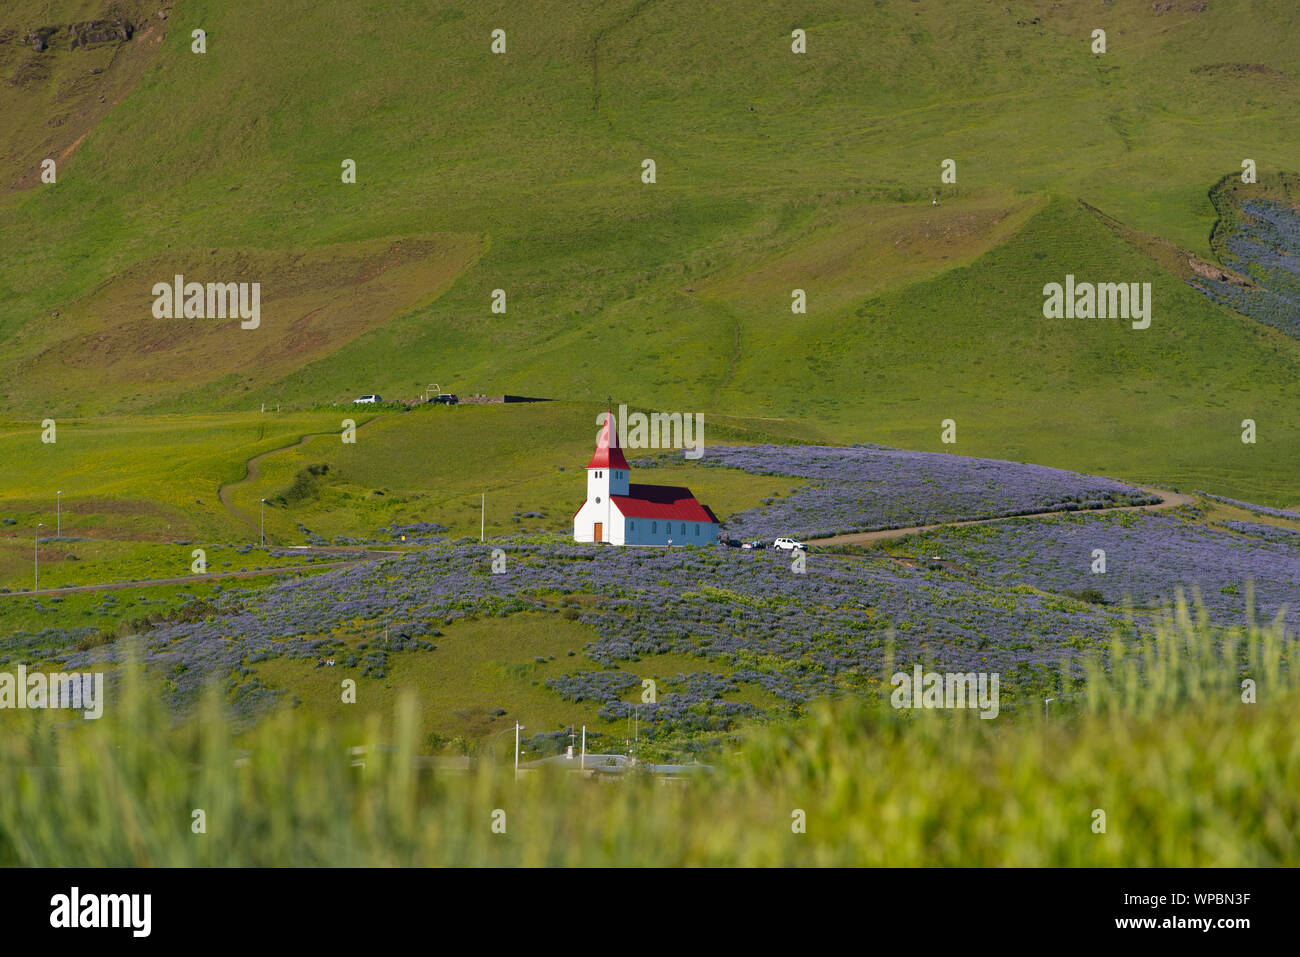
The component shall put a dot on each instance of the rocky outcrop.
(81, 34)
(39, 38)
(99, 31)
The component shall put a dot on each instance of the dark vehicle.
(445, 398)
(729, 542)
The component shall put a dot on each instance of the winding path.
(252, 472)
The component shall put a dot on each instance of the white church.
(621, 513)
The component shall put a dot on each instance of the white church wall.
(622, 530)
(584, 523)
(606, 482)
(617, 534)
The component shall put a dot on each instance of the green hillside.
(375, 612)
(775, 171)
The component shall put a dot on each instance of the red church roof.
(608, 455)
(672, 502)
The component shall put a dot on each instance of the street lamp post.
(516, 729)
(36, 555)
(58, 505)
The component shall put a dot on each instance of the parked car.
(367, 400)
(729, 542)
(789, 544)
(754, 545)
(445, 398)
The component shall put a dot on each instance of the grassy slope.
(50, 103)
(103, 350)
(67, 562)
(1162, 404)
(641, 291)
(140, 477)
(674, 295)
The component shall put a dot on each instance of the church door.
(600, 532)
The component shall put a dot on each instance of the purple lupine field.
(797, 635)
(1149, 557)
(1017, 596)
(1270, 533)
(864, 488)
(1265, 246)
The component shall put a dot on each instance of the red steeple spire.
(608, 455)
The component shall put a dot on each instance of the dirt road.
(252, 470)
(1168, 499)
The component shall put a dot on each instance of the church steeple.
(607, 472)
(608, 455)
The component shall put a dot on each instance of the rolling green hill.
(775, 171)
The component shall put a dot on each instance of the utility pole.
(264, 523)
(58, 504)
(517, 727)
(582, 765)
(36, 555)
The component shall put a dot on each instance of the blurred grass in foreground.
(1161, 741)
